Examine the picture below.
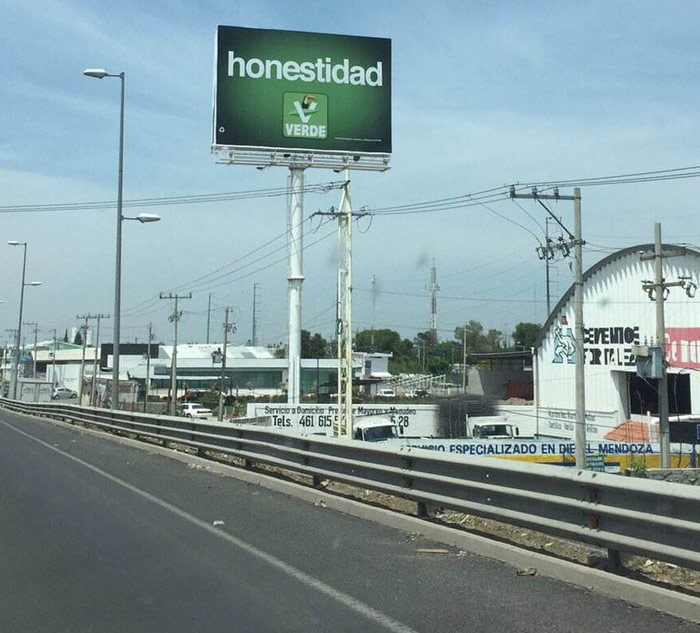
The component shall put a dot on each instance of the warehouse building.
(254, 371)
(618, 314)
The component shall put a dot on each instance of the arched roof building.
(617, 315)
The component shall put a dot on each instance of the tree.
(387, 341)
(78, 340)
(314, 345)
(525, 334)
(65, 336)
(477, 341)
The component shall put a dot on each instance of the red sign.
(683, 347)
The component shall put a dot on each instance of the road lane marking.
(310, 581)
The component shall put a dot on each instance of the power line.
(323, 187)
(246, 275)
(209, 277)
(677, 173)
(497, 193)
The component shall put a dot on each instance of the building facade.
(619, 314)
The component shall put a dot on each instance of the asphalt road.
(97, 536)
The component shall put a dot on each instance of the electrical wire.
(513, 222)
(248, 274)
(205, 198)
(528, 214)
(677, 173)
(211, 276)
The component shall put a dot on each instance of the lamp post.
(15, 370)
(101, 73)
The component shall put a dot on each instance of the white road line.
(352, 603)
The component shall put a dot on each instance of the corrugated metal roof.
(596, 268)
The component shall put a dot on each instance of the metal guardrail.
(655, 519)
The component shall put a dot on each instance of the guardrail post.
(614, 560)
(197, 451)
(593, 519)
(423, 510)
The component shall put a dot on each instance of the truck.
(495, 431)
(374, 429)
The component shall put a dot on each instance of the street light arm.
(143, 218)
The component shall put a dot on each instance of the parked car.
(386, 393)
(63, 393)
(417, 393)
(194, 410)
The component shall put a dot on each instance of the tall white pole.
(295, 280)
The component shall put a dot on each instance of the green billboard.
(291, 90)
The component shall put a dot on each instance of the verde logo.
(305, 115)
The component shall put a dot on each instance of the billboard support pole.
(295, 280)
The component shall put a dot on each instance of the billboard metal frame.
(338, 161)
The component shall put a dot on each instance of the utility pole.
(662, 383)
(83, 329)
(174, 318)
(464, 359)
(53, 358)
(344, 308)
(35, 329)
(8, 359)
(228, 327)
(208, 317)
(578, 317)
(254, 337)
(658, 291)
(148, 366)
(95, 366)
(578, 242)
(373, 283)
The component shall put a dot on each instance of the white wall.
(613, 298)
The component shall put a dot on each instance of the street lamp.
(144, 218)
(101, 73)
(15, 372)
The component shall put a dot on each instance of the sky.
(484, 95)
